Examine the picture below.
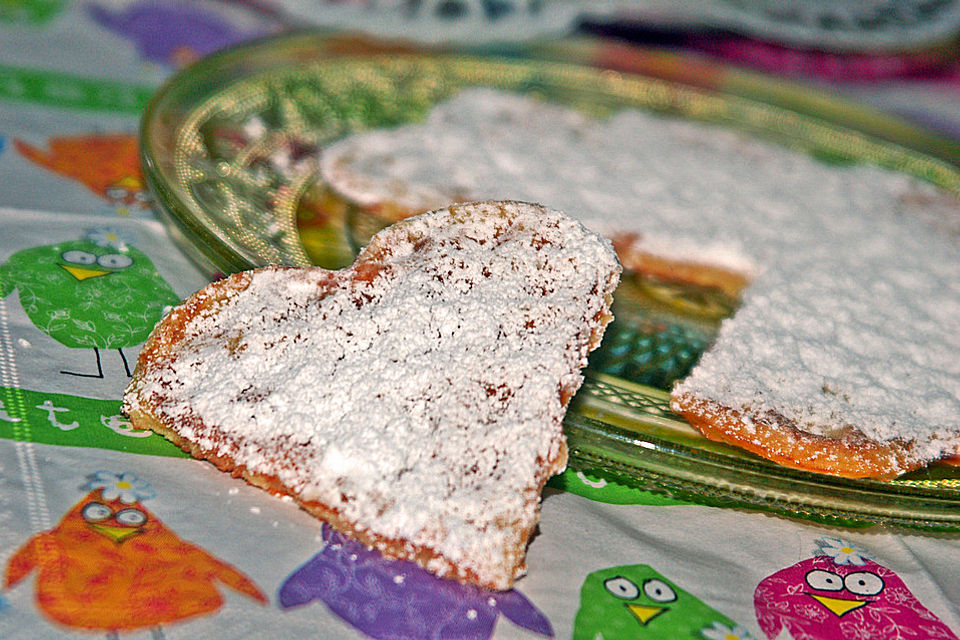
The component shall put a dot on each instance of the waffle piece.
(844, 356)
(413, 400)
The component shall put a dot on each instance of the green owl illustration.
(96, 293)
(636, 602)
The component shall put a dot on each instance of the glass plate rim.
(200, 238)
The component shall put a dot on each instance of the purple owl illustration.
(171, 33)
(841, 593)
(395, 599)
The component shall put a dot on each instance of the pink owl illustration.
(841, 593)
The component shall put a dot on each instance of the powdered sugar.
(853, 314)
(418, 392)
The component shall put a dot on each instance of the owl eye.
(621, 588)
(78, 257)
(141, 196)
(115, 261)
(131, 516)
(96, 512)
(659, 591)
(863, 583)
(824, 580)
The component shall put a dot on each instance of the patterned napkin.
(109, 531)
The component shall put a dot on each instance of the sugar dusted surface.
(422, 405)
(852, 317)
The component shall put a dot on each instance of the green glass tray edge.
(897, 139)
(644, 462)
(692, 475)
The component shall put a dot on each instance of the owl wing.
(231, 577)
(163, 291)
(151, 284)
(768, 617)
(24, 561)
(39, 156)
(305, 584)
(515, 606)
(937, 629)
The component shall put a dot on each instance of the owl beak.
(82, 273)
(129, 182)
(117, 534)
(839, 606)
(644, 613)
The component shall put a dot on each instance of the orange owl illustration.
(108, 164)
(112, 565)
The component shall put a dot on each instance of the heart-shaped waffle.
(413, 400)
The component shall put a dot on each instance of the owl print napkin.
(108, 531)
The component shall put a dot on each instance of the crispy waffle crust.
(847, 452)
(413, 400)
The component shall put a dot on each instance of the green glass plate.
(230, 148)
